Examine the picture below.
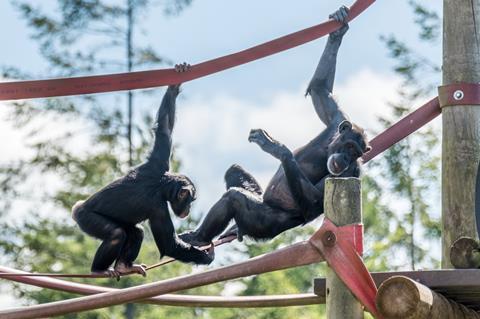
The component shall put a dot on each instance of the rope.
(299, 254)
(155, 78)
(161, 263)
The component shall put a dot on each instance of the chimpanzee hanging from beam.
(295, 194)
(113, 213)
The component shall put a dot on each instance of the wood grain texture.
(461, 124)
(402, 298)
(342, 207)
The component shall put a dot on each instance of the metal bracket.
(459, 94)
(342, 247)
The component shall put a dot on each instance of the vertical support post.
(343, 207)
(129, 68)
(461, 124)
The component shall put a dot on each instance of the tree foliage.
(85, 36)
(399, 196)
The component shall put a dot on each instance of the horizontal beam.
(171, 299)
(300, 254)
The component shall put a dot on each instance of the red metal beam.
(155, 78)
(403, 128)
(295, 255)
(171, 299)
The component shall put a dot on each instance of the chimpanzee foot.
(193, 239)
(268, 144)
(232, 231)
(182, 67)
(341, 15)
(110, 273)
(124, 269)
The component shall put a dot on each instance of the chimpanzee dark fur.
(294, 196)
(113, 213)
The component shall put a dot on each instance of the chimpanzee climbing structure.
(420, 294)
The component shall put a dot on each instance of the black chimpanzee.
(113, 213)
(295, 193)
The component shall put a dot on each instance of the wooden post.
(461, 124)
(400, 297)
(343, 207)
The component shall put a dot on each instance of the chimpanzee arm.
(305, 194)
(160, 154)
(169, 244)
(321, 85)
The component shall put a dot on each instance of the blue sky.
(215, 113)
(212, 28)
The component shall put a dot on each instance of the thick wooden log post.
(461, 124)
(402, 298)
(343, 207)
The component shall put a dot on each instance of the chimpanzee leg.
(253, 217)
(132, 245)
(258, 220)
(112, 234)
(236, 176)
(305, 194)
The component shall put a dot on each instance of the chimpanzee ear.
(185, 191)
(344, 126)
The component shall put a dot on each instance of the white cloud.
(212, 131)
(365, 94)
(12, 140)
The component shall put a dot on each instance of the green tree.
(81, 37)
(409, 170)
(74, 42)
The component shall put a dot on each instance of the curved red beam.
(300, 254)
(172, 299)
(148, 79)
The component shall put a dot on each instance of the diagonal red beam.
(155, 78)
(171, 299)
(340, 248)
(300, 254)
(403, 128)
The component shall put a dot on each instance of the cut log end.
(465, 253)
(400, 298)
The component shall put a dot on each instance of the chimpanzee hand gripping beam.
(155, 78)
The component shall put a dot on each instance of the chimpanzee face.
(347, 146)
(183, 198)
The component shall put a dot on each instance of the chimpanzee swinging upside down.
(295, 193)
(113, 213)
